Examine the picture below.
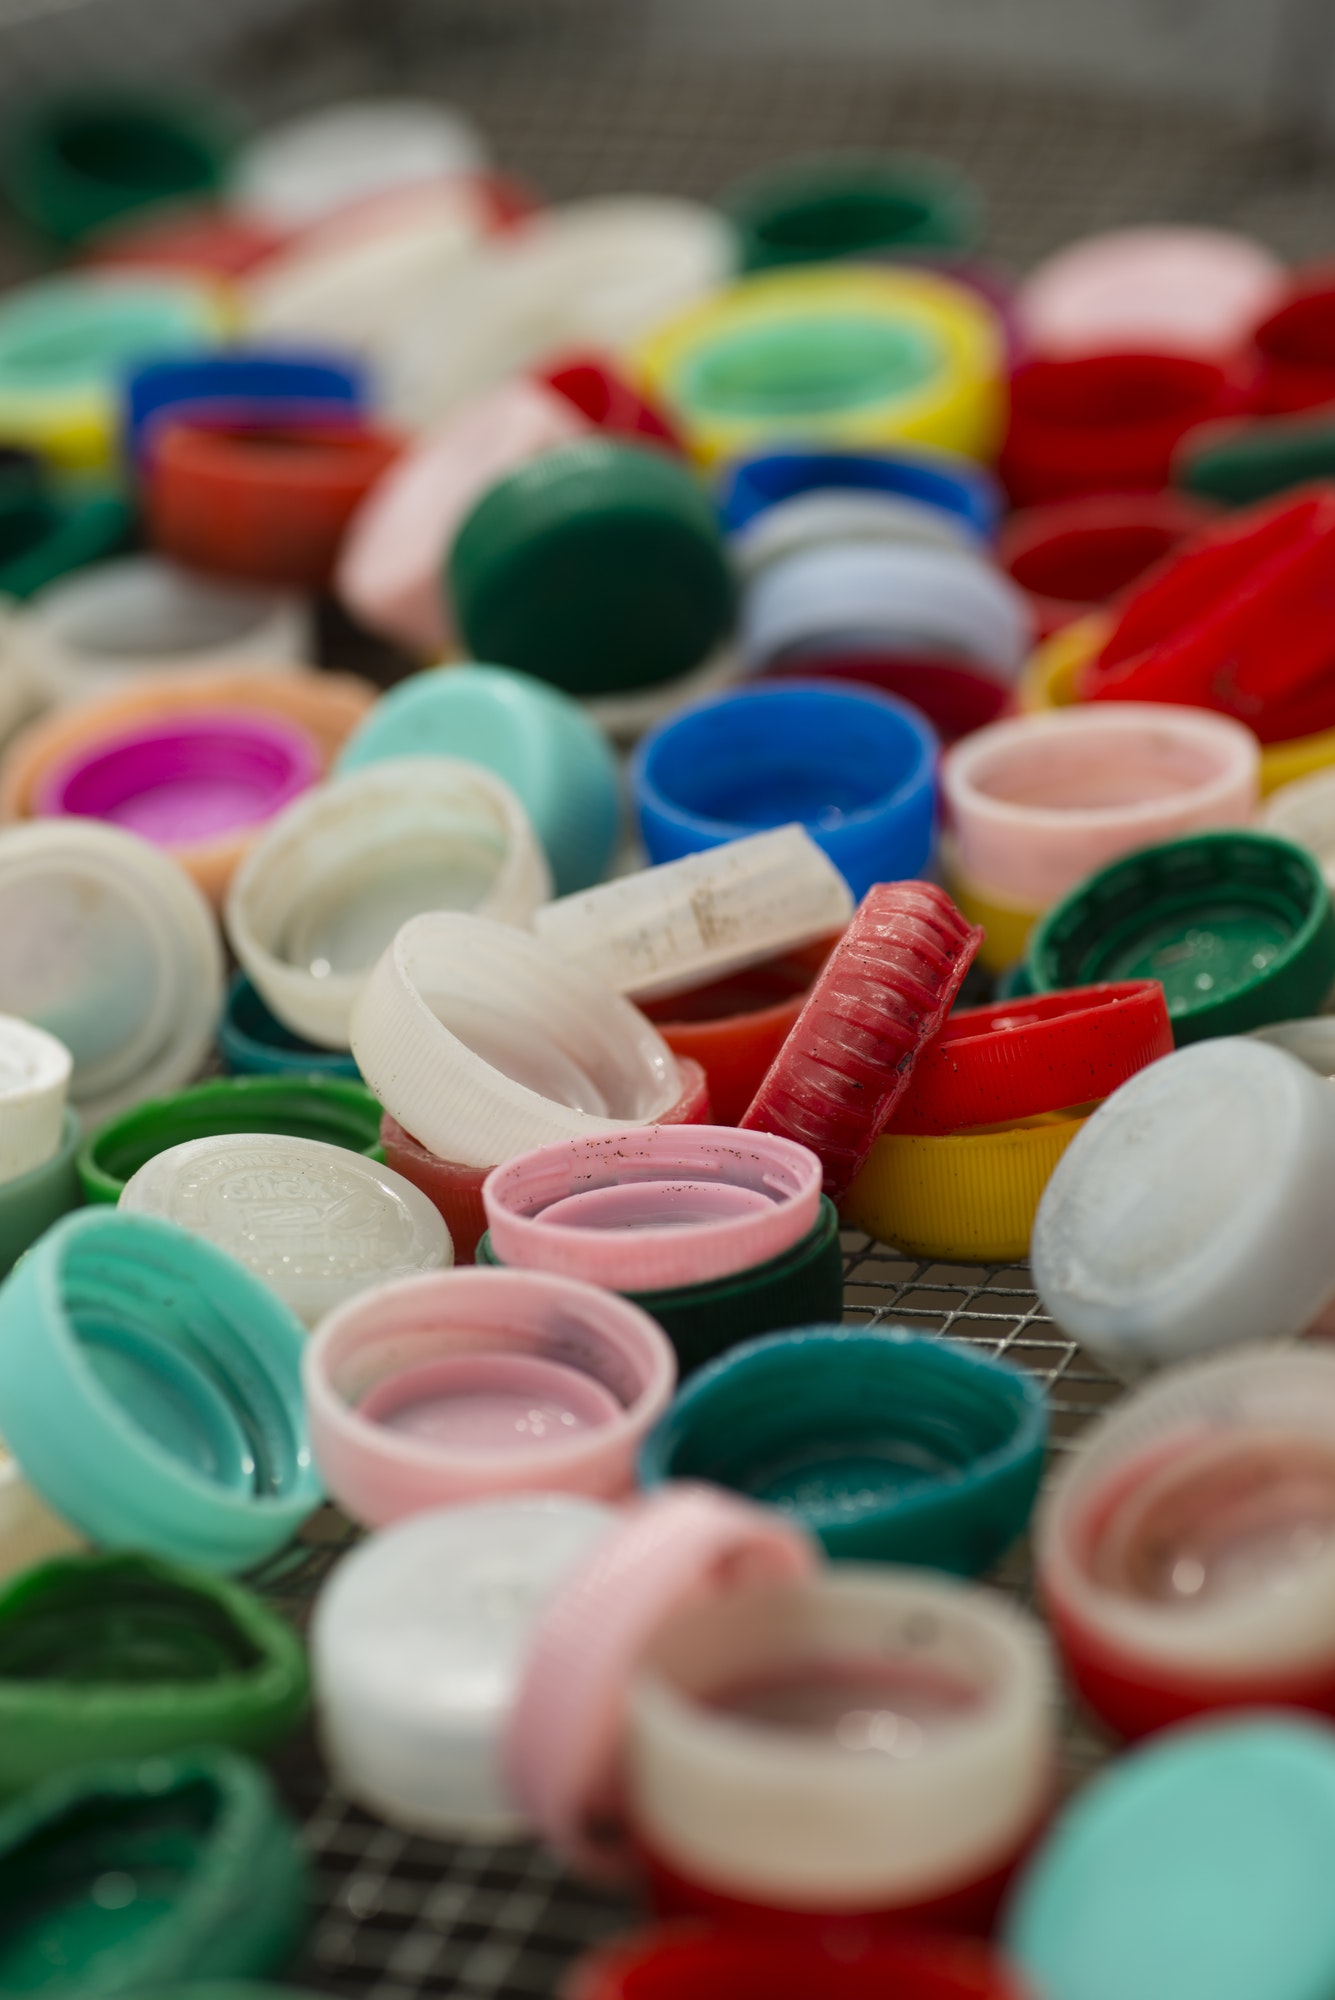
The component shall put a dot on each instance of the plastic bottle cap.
(254, 382)
(130, 1876)
(398, 543)
(334, 876)
(814, 520)
(151, 1391)
(187, 782)
(45, 532)
(65, 344)
(734, 1965)
(907, 1716)
(598, 566)
(1313, 1042)
(418, 1644)
(114, 951)
(76, 160)
(32, 1202)
(1194, 1870)
(96, 630)
(854, 357)
(665, 930)
(1174, 289)
(485, 1043)
(885, 990)
(127, 1656)
(669, 1549)
(626, 717)
(913, 598)
(253, 1043)
(856, 769)
(598, 273)
(841, 1430)
(537, 739)
(1237, 927)
(1072, 555)
(467, 1384)
(1292, 350)
(653, 1208)
(1304, 811)
(34, 1082)
(1185, 1551)
(942, 480)
(193, 242)
(1187, 1214)
(852, 205)
(310, 166)
(319, 1224)
(1039, 802)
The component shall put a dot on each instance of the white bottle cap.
(91, 632)
(417, 1645)
(319, 1224)
(667, 929)
(1192, 1211)
(330, 880)
(306, 168)
(108, 945)
(34, 1083)
(810, 520)
(1304, 811)
(484, 1042)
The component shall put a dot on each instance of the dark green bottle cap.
(122, 1878)
(1237, 928)
(77, 161)
(108, 1656)
(598, 567)
(852, 205)
(1238, 463)
(45, 533)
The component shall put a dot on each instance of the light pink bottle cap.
(464, 1384)
(1167, 290)
(677, 1547)
(653, 1207)
(391, 574)
(1037, 803)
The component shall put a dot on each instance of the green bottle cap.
(1237, 928)
(79, 160)
(30, 1204)
(852, 205)
(123, 1878)
(599, 567)
(1238, 463)
(107, 1656)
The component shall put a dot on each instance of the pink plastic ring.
(1169, 289)
(653, 1207)
(673, 1548)
(190, 779)
(465, 1384)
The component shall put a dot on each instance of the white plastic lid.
(91, 632)
(417, 1645)
(484, 1042)
(34, 1083)
(307, 167)
(1312, 1041)
(809, 520)
(1305, 811)
(109, 945)
(319, 1224)
(914, 596)
(593, 273)
(332, 878)
(1192, 1210)
(667, 929)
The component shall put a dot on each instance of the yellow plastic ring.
(969, 1198)
(847, 355)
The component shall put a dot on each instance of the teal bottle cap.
(30, 1204)
(1238, 929)
(888, 1447)
(126, 1656)
(557, 761)
(125, 1877)
(336, 1111)
(599, 567)
(254, 1042)
(150, 1390)
(1198, 1868)
(852, 205)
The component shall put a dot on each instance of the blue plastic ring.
(856, 768)
(939, 479)
(257, 381)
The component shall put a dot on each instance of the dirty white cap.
(34, 1083)
(317, 1223)
(1192, 1211)
(307, 167)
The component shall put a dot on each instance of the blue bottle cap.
(258, 380)
(942, 479)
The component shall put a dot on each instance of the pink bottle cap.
(189, 780)
(677, 1547)
(653, 1207)
(1166, 290)
(465, 1384)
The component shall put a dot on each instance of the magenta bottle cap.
(190, 780)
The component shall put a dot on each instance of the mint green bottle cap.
(599, 567)
(1198, 1868)
(1238, 929)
